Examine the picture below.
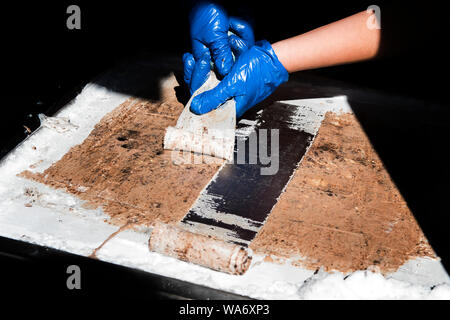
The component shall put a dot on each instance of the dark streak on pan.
(241, 190)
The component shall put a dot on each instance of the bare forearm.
(344, 41)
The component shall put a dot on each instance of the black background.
(45, 65)
(43, 60)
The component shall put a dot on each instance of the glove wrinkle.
(209, 30)
(254, 76)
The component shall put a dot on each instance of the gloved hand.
(196, 72)
(209, 31)
(256, 73)
(196, 69)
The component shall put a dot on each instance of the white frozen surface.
(53, 217)
(35, 213)
(423, 271)
(367, 285)
(310, 112)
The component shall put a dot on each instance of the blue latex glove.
(209, 31)
(242, 38)
(256, 73)
(196, 69)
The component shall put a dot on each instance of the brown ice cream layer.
(122, 166)
(341, 209)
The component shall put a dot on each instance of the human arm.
(260, 70)
(344, 41)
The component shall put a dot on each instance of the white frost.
(367, 285)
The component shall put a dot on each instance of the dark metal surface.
(240, 188)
